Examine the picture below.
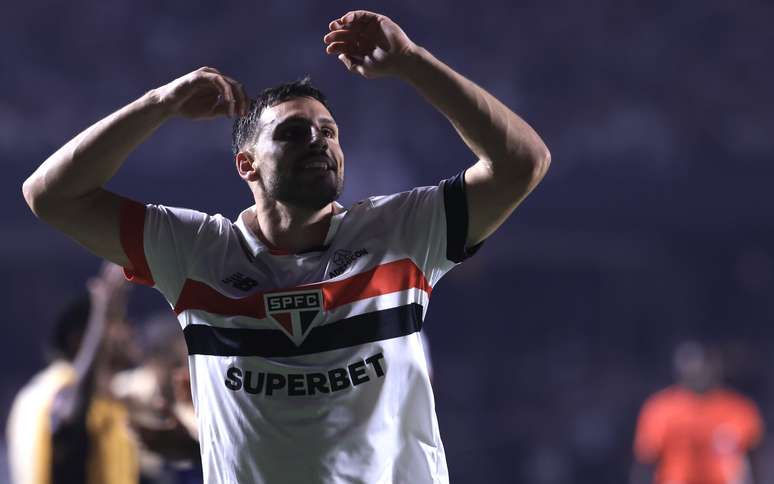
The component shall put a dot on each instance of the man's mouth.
(317, 163)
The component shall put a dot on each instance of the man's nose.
(318, 140)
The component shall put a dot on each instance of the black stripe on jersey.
(363, 328)
(456, 207)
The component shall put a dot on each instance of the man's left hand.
(369, 44)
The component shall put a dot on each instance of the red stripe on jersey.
(132, 230)
(383, 279)
(198, 295)
(286, 320)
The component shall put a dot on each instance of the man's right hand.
(67, 191)
(205, 93)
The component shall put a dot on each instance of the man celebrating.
(302, 318)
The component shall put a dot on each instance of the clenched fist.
(204, 94)
(369, 44)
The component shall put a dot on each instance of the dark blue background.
(653, 224)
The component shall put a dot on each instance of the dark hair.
(68, 328)
(245, 128)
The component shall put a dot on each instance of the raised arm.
(512, 157)
(108, 298)
(67, 191)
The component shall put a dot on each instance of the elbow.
(35, 198)
(31, 195)
(541, 163)
(537, 166)
(525, 169)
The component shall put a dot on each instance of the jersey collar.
(256, 245)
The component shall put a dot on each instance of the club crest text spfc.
(295, 312)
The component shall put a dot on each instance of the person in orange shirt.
(696, 431)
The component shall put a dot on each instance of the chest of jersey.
(354, 291)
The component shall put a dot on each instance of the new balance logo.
(240, 281)
(343, 259)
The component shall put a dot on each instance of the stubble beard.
(309, 196)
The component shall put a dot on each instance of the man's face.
(697, 368)
(297, 154)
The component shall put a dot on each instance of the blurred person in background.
(158, 396)
(302, 319)
(65, 426)
(697, 431)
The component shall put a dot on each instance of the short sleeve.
(430, 224)
(456, 213)
(649, 436)
(160, 242)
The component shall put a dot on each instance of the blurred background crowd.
(653, 227)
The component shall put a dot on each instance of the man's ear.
(245, 166)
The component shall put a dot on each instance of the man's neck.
(290, 229)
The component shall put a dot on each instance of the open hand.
(204, 94)
(369, 44)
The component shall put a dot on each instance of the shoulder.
(395, 200)
(664, 398)
(43, 385)
(178, 213)
(186, 218)
(736, 399)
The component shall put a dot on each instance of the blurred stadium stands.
(654, 223)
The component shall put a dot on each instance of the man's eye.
(328, 133)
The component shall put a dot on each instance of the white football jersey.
(308, 368)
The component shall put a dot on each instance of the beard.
(310, 191)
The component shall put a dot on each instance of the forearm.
(89, 160)
(88, 352)
(495, 134)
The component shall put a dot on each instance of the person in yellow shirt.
(64, 425)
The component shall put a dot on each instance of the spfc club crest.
(295, 312)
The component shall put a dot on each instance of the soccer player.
(697, 431)
(302, 317)
(65, 426)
